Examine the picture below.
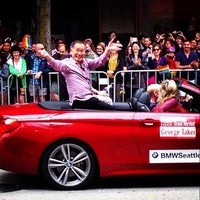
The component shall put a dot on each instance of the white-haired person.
(153, 90)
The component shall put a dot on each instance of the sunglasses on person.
(156, 49)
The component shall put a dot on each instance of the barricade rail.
(99, 80)
(186, 73)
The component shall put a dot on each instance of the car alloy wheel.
(68, 165)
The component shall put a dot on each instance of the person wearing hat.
(17, 67)
(167, 63)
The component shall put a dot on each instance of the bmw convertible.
(70, 148)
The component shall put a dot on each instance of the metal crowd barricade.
(140, 72)
(17, 89)
(34, 89)
(52, 79)
(102, 82)
(27, 99)
(102, 79)
(1, 91)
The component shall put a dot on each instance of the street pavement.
(26, 187)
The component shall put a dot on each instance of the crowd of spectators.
(164, 52)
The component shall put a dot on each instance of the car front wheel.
(69, 165)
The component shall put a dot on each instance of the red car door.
(168, 137)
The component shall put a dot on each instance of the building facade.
(96, 19)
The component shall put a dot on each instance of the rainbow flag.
(163, 69)
(27, 41)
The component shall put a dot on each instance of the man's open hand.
(114, 46)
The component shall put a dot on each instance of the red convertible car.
(71, 147)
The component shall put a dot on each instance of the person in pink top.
(169, 98)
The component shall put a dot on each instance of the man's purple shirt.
(77, 76)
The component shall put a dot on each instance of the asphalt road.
(25, 187)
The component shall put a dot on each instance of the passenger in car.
(169, 98)
(76, 71)
(153, 90)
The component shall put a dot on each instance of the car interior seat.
(141, 100)
(144, 98)
(138, 92)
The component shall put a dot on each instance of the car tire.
(69, 164)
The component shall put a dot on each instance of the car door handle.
(150, 122)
